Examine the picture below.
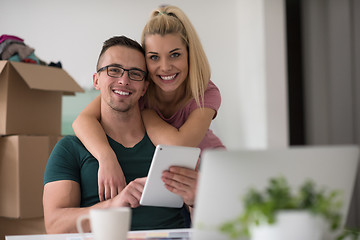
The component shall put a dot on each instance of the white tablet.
(155, 192)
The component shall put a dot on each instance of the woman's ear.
(96, 81)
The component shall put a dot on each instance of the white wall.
(262, 97)
(243, 39)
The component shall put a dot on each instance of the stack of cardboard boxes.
(30, 125)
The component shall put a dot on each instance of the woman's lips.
(168, 77)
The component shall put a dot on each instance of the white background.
(235, 35)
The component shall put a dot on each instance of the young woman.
(178, 106)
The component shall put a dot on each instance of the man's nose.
(124, 79)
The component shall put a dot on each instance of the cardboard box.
(30, 98)
(28, 226)
(22, 164)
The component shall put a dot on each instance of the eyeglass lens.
(118, 72)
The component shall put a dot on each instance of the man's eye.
(136, 73)
(114, 70)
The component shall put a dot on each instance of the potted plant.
(277, 213)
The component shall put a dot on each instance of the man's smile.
(122, 92)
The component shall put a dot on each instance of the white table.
(184, 234)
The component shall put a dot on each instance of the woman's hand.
(111, 179)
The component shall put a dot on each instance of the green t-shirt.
(70, 160)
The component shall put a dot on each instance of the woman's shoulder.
(212, 99)
(212, 88)
(212, 92)
(212, 85)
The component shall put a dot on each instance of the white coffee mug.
(107, 224)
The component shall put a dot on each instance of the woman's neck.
(169, 102)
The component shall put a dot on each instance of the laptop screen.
(225, 177)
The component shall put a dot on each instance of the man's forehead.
(124, 56)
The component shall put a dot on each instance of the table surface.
(183, 234)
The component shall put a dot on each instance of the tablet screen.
(155, 192)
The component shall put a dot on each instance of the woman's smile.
(168, 77)
(167, 61)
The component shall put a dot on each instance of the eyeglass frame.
(124, 70)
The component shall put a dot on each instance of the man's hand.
(130, 195)
(111, 179)
(181, 181)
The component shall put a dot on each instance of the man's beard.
(119, 105)
(122, 109)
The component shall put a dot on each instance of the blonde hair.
(171, 19)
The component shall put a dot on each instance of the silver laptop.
(225, 176)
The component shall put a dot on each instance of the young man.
(71, 185)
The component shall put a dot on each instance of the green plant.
(352, 234)
(261, 207)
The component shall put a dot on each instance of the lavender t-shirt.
(212, 99)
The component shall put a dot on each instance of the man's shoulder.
(69, 141)
(69, 138)
(64, 161)
(69, 147)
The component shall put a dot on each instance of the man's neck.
(127, 128)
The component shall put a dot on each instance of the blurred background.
(288, 71)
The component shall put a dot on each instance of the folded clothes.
(7, 42)
(14, 49)
(22, 50)
(53, 64)
(29, 59)
(11, 37)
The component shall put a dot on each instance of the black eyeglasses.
(117, 71)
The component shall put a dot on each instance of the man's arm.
(61, 201)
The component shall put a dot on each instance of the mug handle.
(79, 221)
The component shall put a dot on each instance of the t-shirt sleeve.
(212, 99)
(63, 162)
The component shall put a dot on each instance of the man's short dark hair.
(120, 41)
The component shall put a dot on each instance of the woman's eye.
(154, 57)
(175, 55)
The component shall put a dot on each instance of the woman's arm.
(88, 129)
(191, 133)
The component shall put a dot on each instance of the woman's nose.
(165, 65)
